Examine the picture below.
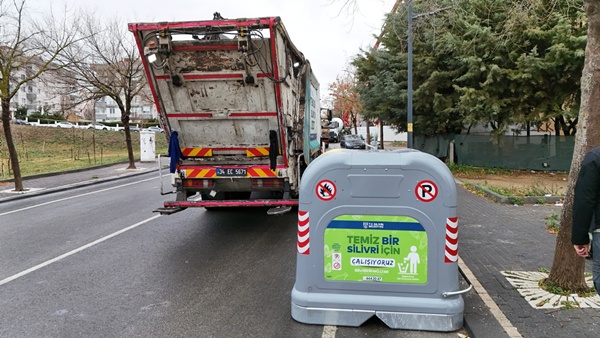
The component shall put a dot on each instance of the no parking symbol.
(426, 191)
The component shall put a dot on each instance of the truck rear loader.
(239, 104)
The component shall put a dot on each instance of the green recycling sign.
(371, 248)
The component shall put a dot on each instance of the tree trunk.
(568, 268)
(12, 151)
(125, 120)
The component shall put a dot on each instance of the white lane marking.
(72, 252)
(329, 331)
(489, 302)
(76, 196)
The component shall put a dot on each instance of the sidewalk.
(47, 183)
(500, 237)
(493, 238)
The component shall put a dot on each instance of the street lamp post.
(409, 90)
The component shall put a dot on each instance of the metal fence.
(538, 152)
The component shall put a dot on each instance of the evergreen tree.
(478, 62)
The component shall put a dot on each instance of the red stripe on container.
(178, 116)
(252, 114)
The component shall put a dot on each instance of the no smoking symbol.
(426, 191)
(325, 190)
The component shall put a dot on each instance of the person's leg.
(596, 260)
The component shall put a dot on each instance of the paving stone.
(497, 237)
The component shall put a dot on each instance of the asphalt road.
(96, 262)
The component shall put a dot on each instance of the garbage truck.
(239, 104)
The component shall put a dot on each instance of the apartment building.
(50, 94)
(142, 109)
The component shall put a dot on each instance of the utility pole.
(409, 138)
(375, 47)
(409, 89)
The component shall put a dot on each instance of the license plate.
(232, 172)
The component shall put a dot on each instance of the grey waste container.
(147, 146)
(377, 236)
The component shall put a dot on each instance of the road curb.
(511, 199)
(41, 192)
(57, 173)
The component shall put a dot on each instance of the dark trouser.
(596, 260)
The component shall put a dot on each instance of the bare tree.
(568, 268)
(106, 63)
(346, 98)
(30, 44)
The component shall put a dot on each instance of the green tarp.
(539, 152)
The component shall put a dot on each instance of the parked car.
(64, 124)
(23, 122)
(97, 126)
(352, 142)
(134, 128)
(155, 129)
(333, 137)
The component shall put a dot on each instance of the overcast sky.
(327, 34)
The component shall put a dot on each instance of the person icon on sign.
(413, 259)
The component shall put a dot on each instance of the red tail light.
(198, 183)
(267, 182)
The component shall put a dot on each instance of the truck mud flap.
(168, 211)
(280, 210)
